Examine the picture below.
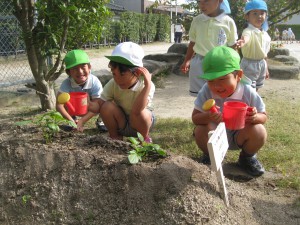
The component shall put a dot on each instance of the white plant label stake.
(217, 147)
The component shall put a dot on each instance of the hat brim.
(215, 75)
(120, 59)
(76, 64)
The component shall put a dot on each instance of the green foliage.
(142, 149)
(150, 25)
(83, 20)
(163, 28)
(141, 28)
(130, 21)
(25, 199)
(50, 121)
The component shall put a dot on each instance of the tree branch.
(52, 74)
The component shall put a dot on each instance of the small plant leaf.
(22, 123)
(54, 127)
(161, 152)
(140, 137)
(156, 147)
(73, 124)
(133, 140)
(134, 157)
(143, 149)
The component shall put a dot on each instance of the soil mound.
(83, 179)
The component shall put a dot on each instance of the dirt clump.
(86, 179)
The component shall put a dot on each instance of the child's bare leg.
(113, 118)
(141, 122)
(252, 138)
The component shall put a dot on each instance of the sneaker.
(101, 127)
(251, 165)
(205, 159)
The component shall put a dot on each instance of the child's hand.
(251, 115)
(80, 125)
(184, 67)
(240, 43)
(267, 74)
(215, 117)
(142, 71)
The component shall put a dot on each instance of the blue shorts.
(231, 137)
(196, 83)
(255, 70)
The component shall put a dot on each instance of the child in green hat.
(225, 82)
(80, 79)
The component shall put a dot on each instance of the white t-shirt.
(178, 28)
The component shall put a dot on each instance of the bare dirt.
(83, 178)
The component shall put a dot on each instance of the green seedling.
(25, 199)
(49, 122)
(142, 149)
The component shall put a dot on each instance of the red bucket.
(79, 102)
(234, 114)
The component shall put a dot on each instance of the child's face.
(210, 7)
(256, 17)
(226, 85)
(80, 73)
(125, 79)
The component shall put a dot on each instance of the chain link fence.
(14, 67)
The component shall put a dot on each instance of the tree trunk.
(45, 91)
(24, 11)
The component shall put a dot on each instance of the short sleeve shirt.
(259, 43)
(125, 98)
(178, 28)
(243, 93)
(209, 32)
(92, 86)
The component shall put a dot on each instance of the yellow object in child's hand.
(208, 104)
(63, 98)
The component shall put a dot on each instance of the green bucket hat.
(219, 62)
(76, 57)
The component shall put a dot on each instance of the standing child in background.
(290, 35)
(255, 43)
(213, 27)
(125, 103)
(284, 35)
(221, 67)
(80, 79)
(276, 34)
(178, 32)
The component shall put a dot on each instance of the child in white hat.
(125, 103)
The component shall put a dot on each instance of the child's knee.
(201, 133)
(256, 133)
(108, 108)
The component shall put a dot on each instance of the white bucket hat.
(128, 53)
